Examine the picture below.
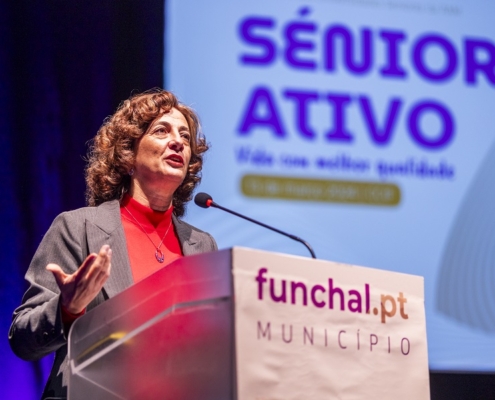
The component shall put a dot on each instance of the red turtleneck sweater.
(138, 219)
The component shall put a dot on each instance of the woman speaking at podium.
(143, 166)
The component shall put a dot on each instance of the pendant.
(160, 257)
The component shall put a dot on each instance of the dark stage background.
(64, 67)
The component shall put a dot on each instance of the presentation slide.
(365, 127)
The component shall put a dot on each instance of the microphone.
(204, 200)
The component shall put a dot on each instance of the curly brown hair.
(111, 154)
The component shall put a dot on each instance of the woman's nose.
(176, 144)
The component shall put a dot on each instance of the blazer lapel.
(106, 228)
(183, 231)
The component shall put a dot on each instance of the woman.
(144, 164)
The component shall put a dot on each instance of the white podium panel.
(309, 329)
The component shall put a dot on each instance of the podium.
(248, 324)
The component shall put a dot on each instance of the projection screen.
(366, 127)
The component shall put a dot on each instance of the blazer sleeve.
(37, 327)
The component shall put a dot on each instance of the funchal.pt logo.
(329, 295)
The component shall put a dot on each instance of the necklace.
(160, 257)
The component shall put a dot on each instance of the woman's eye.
(161, 132)
(186, 136)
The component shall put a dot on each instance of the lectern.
(248, 324)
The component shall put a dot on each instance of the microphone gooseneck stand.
(204, 200)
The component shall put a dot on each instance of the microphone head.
(203, 200)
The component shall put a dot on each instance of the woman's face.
(163, 154)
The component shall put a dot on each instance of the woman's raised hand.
(80, 288)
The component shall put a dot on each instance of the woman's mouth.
(175, 160)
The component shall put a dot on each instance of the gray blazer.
(37, 328)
